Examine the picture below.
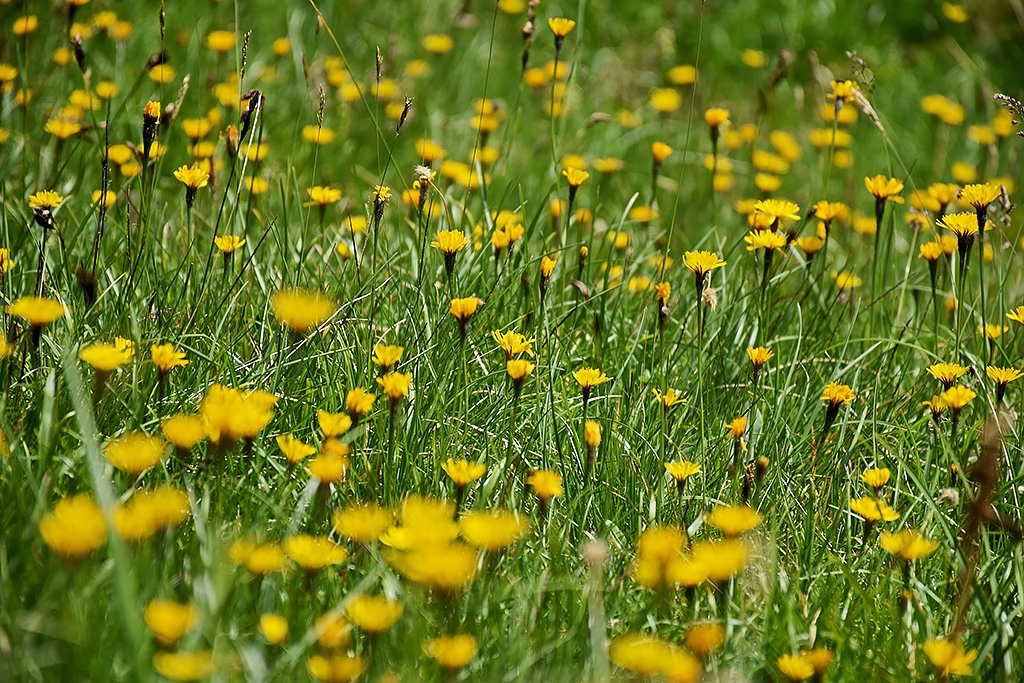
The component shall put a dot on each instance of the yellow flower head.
(949, 657)
(847, 280)
(374, 614)
(166, 357)
(668, 399)
(184, 431)
(184, 666)
(455, 652)
(134, 452)
(168, 621)
(546, 484)
(794, 667)
(193, 177)
(1017, 314)
(737, 428)
(733, 520)
(980, 195)
(777, 209)
(547, 266)
(37, 311)
(513, 343)
(963, 225)
(765, 239)
(450, 241)
(106, 357)
(703, 639)
(931, 251)
(228, 244)
(561, 26)
(362, 522)
(313, 553)
(386, 356)
(492, 530)
(1003, 376)
(462, 309)
(843, 91)
(700, 262)
(908, 544)
(395, 385)
(681, 470)
(46, 199)
(957, 397)
(662, 291)
(322, 196)
(660, 151)
(885, 188)
(300, 310)
(947, 373)
(575, 176)
(273, 627)
(358, 402)
(519, 369)
(75, 527)
(463, 472)
(716, 116)
(759, 356)
(295, 450)
(333, 424)
(830, 211)
(876, 477)
(872, 510)
(837, 394)
(590, 377)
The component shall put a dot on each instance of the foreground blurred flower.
(340, 667)
(230, 415)
(149, 512)
(300, 310)
(647, 657)
(908, 545)
(949, 657)
(374, 614)
(134, 452)
(452, 652)
(37, 312)
(362, 522)
(184, 666)
(75, 527)
(274, 628)
(168, 621)
(313, 553)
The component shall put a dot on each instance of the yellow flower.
(700, 262)
(105, 357)
(872, 510)
(980, 195)
(62, 129)
(228, 243)
(703, 639)
(908, 544)
(931, 251)
(876, 477)
(716, 116)
(590, 377)
(38, 311)
(274, 627)
(168, 621)
(267, 558)
(332, 631)
(681, 470)
(737, 427)
(220, 41)
(1017, 314)
(759, 356)
(885, 188)
(575, 176)
(25, 25)
(374, 614)
(75, 527)
(455, 652)
(340, 667)
(518, 369)
(668, 399)
(193, 177)
(777, 209)
(843, 91)
(947, 373)
(313, 553)
(358, 402)
(463, 472)
(957, 397)
(395, 385)
(318, 135)
(300, 310)
(45, 199)
(184, 431)
(662, 291)
(733, 520)
(561, 26)
(386, 356)
(446, 567)
(166, 357)
(810, 245)
(794, 667)
(295, 450)
(450, 241)
(1003, 376)
(438, 43)
(230, 415)
(963, 225)
(765, 239)
(464, 308)
(322, 196)
(492, 530)
(949, 657)
(513, 343)
(546, 484)
(943, 193)
(134, 452)
(184, 666)
(830, 211)
(362, 522)
(660, 151)
(837, 394)
(649, 657)
(847, 280)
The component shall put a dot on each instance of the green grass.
(537, 610)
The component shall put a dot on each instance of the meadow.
(511, 341)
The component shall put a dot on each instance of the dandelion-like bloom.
(957, 398)
(492, 530)
(184, 666)
(513, 343)
(681, 470)
(450, 242)
(228, 244)
(313, 553)
(1002, 377)
(669, 398)
(1017, 315)
(273, 627)
(949, 657)
(908, 544)
(703, 639)
(842, 92)
(45, 199)
(774, 210)
(37, 311)
(846, 281)
(134, 452)
(169, 621)
(884, 188)
(965, 227)
(374, 614)
(660, 151)
(300, 310)
(358, 402)
(294, 449)
(75, 527)
(184, 431)
(873, 510)
(794, 667)
(518, 370)
(733, 520)
(700, 263)
(758, 357)
(386, 356)
(546, 484)
(362, 522)
(463, 309)
(837, 394)
(453, 652)
(395, 385)
(980, 196)
(463, 472)
(322, 196)
(947, 373)
(339, 667)
(105, 357)
(876, 477)
(166, 357)
(192, 177)
(588, 378)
